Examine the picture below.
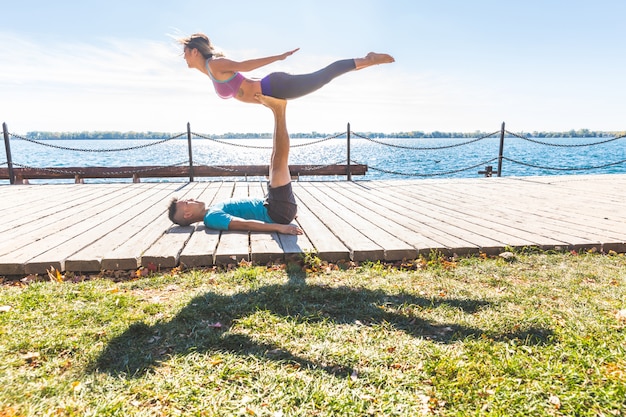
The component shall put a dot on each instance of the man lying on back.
(274, 213)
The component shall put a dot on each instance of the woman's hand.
(289, 53)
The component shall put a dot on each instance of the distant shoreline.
(116, 135)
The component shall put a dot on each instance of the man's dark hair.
(172, 213)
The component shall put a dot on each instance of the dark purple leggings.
(288, 86)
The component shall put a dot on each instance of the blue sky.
(460, 65)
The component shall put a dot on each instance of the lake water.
(393, 159)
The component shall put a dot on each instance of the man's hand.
(258, 226)
(289, 229)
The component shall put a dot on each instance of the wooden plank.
(152, 171)
(56, 234)
(491, 215)
(542, 213)
(166, 250)
(361, 247)
(74, 233)
(548, 209)
(326, 244)
(75, 225)
(482, 211)
(451, 238)
(370, 223)
(143, 231)
(86, 231)
(295, 246)
(272, 247)
(264, 247)
(140, 215)
(32, 217)
(31, 199)
(200, 249)
(359, 195)
(234, 246)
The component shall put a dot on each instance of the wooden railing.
(22, 175)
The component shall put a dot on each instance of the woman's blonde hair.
(202, 43)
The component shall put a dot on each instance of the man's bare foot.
(373, 58)
(271, 102)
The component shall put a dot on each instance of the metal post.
(501, 151)
(190, 153)
(7, 146)
(349, 177)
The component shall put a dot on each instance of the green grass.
(541, 335)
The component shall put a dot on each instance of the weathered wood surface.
(22, 175)
(86, 228)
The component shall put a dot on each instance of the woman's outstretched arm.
(223, 65)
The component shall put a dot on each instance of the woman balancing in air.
(230, 83)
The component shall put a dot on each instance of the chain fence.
(372, 149)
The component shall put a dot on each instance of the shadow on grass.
(142, 347)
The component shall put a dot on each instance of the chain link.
(308, 168)
(318, 167)
(241, 145)
(429, 175)
(425, 148)
(564, 169)
(561, 145)
(65, 148)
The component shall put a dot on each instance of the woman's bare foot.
(271, 102)
(373, 58)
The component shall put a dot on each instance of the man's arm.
(238, 224)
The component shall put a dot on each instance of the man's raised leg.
(279, 163)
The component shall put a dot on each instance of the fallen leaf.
(621, 315)
(7, 412)
(54, 275)
(31, 356)
(555, 401)
(76, 386)
(4, 309)
(615, 371)
(30, 278)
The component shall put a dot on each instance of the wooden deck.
(93, 227)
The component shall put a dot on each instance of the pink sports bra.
(226, 88)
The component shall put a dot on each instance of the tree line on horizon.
(106, 135)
